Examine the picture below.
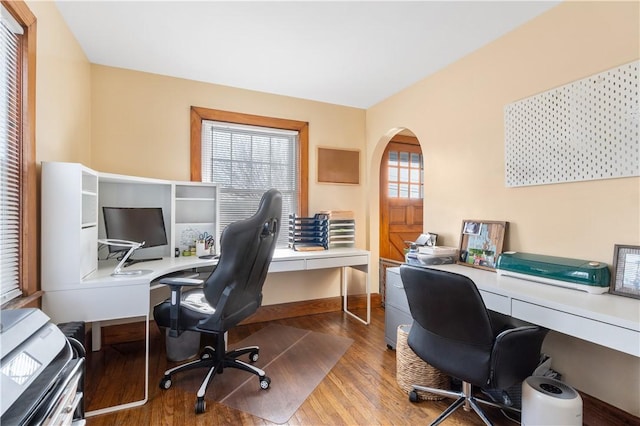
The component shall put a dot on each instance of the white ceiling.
(353, 53)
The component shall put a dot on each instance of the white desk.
(285, 260)
(606, 319)
(102, 297)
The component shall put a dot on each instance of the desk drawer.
(496, 302)
(335, 262)
(395, 295)
(612, 336)
(394, 317)
(287, 265)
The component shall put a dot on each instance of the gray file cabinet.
(396, 307)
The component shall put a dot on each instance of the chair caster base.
(201, 406)
(165, 383)
(265, 382)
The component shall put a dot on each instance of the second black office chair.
(454, 332)
(230, 294)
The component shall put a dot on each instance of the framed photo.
(481, 242)
(626, 271)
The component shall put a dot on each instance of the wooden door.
(401, 196)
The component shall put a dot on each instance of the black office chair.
(454, 332)
(230, 294)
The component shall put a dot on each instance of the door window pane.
(405, 174)
(393, 158)
(404, 159)
(393, 190)
(404, 190)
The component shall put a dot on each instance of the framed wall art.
(625, 280)
(481, 242)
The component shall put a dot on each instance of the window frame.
(302, 127)
(29, 252)
(395, 144)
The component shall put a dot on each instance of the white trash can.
(547, 401)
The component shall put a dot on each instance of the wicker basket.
(411, 370)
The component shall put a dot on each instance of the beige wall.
(63, 90)
(140, 126)
(457, 114)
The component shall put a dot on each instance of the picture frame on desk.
(626, 271)
(481, 243)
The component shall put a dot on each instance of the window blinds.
(245, 161)
(10, 129)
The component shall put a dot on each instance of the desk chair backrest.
(234, 288)
(451, 324)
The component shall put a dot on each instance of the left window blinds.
(10, 155)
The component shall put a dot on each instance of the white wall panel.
(584, 130)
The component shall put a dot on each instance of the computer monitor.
(138, 224)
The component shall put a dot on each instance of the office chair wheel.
(413, 396)
(201, 405)
(253, 356)
(207, 353)
(265, 382)
(165, 383)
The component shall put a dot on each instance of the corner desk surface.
(101, 297)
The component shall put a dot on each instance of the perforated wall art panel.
(585, 130)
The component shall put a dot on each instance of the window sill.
(22, 302)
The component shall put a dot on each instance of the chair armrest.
(515, 355)
(176, 284)
(181, 282)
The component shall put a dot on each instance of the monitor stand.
(133, 246)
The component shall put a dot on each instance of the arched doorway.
(401, 199)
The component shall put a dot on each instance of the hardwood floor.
(361, 389)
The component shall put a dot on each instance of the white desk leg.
(368, 289)
(345, 288)
(96, 336)
(146, 383)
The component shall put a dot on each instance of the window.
(405, 170)
(247, 155)
(18, 233)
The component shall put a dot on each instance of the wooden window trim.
(29, 249)
(198, 114)
(411, 140)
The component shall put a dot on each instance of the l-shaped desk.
(102, 297)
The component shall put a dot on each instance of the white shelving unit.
(72, 221)
(342, 233)
(341, 228)
(197, 211)
(69, 197)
